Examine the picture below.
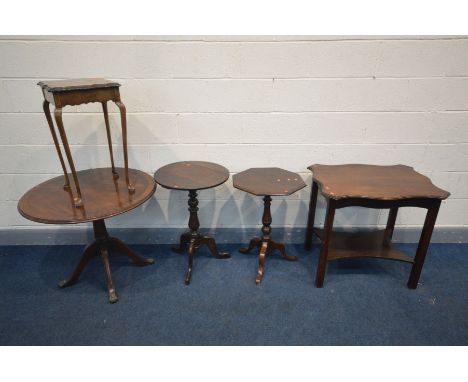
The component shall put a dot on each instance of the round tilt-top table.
(267, 182)
(193, 176)
(91, 195)
(103, 195)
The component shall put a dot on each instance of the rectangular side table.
(73, 92)
(383, 187)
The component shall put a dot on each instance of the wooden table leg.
(58, 119)
(90, 251)
(183, 243)
(123, 122)
(423, 245)
(281, 249)
(266, 231)
(113, 298)
(392, 215)
(45, 106)
(311, 216)
(322, 265)
(102, 244)
(191, 252)
(194, 239)
(211, 244)
(109, 138)
(266, 243)
(255, 242)
(119, 246)
(261, 263)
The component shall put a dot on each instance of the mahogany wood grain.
(63, 93)
(344, 245)
(272, 181)
(103, 196)
(383, 187)
(374, 182)
(58, 86)
(103, 245)
(94, 194)
(192, 176)
(267, 182)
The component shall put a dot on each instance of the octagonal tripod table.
(193, 176)
(382, 187)
(103, 196)
(267, 182)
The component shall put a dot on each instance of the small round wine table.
(267, 182)
(104, 193)
(193, 176)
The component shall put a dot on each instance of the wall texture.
(244, 102)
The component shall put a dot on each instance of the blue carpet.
(364, 302)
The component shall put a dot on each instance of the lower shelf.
(345, 245)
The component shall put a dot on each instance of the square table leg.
(423, 245)
(392, 215)
(328, 228)
(311, 216)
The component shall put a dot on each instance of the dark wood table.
(79, 91)
(267, 182)
(95, 194)
(382, 187)
(193, 176)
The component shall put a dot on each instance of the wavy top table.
(371, 186)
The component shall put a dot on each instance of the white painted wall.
(244, 102)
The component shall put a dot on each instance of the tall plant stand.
(92, 195)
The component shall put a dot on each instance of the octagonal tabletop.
(374, 182)
(191, 175)
(271, 181)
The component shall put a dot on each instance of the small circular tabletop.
(271, 181)
(191, 175)
(374, 182)
(102, 196)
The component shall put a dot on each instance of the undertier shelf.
(345, 245)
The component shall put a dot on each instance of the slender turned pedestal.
(193, 176)
(267, 182)
(266, 243)
(193, 240)
(382, 187)
(94, 194)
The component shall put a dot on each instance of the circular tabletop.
(271, 181)
(191, 175)
(102, 196)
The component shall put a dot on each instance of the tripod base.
(102, 244)
(192, 241)
(266, 245)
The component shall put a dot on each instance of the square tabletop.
(374, 182)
